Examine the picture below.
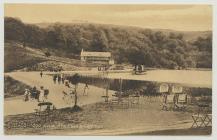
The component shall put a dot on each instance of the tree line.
(127, 44)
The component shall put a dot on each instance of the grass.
(17, 57)
(32, 124)
(99, 117)
(13, 87)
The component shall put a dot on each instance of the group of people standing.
(58, 78)
(39, 95)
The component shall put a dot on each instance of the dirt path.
(18, 106)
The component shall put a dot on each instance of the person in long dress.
(85, 93)
(59, 79)
(62, 78)
(26, 95)
(41, 96)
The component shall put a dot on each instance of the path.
(18, 106)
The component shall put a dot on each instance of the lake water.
(185, 77)
(191, 78)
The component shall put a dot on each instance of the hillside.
(150, 47)
(18, 57)
(187, 35)
(26, 58)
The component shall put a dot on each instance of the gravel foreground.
(101, 119)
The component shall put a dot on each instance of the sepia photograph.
(107, 69)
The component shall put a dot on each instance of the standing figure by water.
(54, 78)
(86, 88)
(41, 96)
(62, 78)
(41, 74)
(59, 79)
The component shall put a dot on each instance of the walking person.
(85, 93)
(33, 93)
(26, 95)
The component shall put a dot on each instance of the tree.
(75, 80)
(136, 56)
(149, 59)
(160, 36)
(14, 29)
(99, 42)
(34, 35)
(127, 45)
(180, 36)
(204, 44)
(51, 38)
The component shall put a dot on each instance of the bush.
(13, 87)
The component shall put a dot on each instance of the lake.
(191, 78)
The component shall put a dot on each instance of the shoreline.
(188, 78)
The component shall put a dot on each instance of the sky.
(175, 17)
